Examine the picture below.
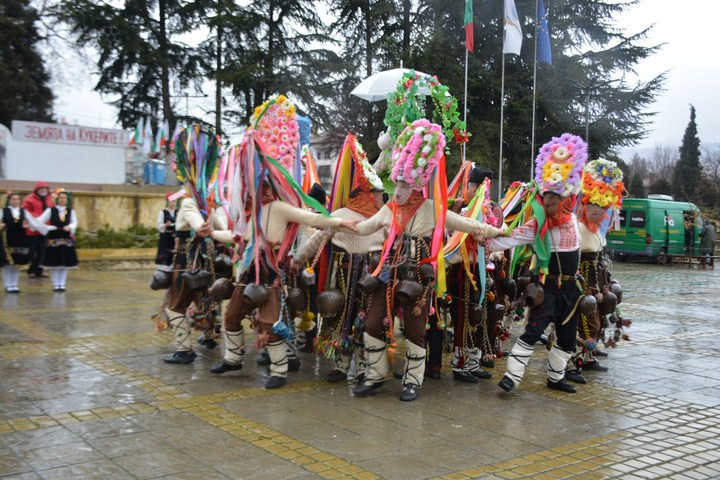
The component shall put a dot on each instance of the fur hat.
(318, 193)
(417, 153)
(559, 165)
(478, 174)
(602, 183)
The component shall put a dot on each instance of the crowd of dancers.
(392, 248)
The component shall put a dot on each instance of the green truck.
(654, 227)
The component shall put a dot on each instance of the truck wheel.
(662, 257)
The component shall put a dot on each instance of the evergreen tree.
(661, 186)
(24, 90)
(140, 59)
(688, 171)
(636, 187)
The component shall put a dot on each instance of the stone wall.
(118, 209)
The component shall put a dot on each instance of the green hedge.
(108, 237)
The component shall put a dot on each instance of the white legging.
(58, 276)
(11, 276)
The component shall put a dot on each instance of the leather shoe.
(596, 366)
(364, 389)
(180, 358)
(336, 376)
(398, 374)
(575, 376)
(562, 385)
(208, 343)
(263, 359)
(487, 363)
(506, 384)
(481, 374)
(409, 392)
(222, 367)
(464, 376)
(600, 353)
(293, 364)
(275, 382)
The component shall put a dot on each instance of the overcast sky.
(690, 29)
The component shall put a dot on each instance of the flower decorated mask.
(559, 165)
(417, 153)
(602, 183)
(275, 121)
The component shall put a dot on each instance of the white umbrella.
(376, 87)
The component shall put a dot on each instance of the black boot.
(275, 382)
(364, 389)
(409, 392)
(336, 375)
(595, 366)
(575, 376)
(562, 385)
(181, 358)
(481, 374)
(464, 376)
(506, 384)
(222, 367)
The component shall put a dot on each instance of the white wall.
(65, 153)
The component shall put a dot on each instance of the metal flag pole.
(532, 134)
(502, 118)
(465, 106)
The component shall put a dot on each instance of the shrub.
(107, 237)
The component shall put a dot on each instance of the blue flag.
(544, 54)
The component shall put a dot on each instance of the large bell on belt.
(161, 280)
(523, 282)
(617, 289)
(330, 303)
(534, 295)
(296, 299)
(307, 278)
(509, 287)
(256, 295)
(588, 305)
(608, 304)
(369, 283)
(427, 273)
(222, 289)
(223, 265)
(408, 291)
(197, 279)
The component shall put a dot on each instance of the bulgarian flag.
(136, 138)
(469, 37)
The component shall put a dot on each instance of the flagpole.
(465, 105)
(532, 134)
(502, 120)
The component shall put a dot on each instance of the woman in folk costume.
(266, 206)
(602, 189)
(166, 239)
(555, 238)
(197, 161)
(465, 284)
(14, 244)
(356, 195)
(412, 257)
(60, 255)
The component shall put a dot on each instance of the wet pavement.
(84, 394)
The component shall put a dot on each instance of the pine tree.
(636, 187)
(24, 90)
(688, 170)
(141, 61)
